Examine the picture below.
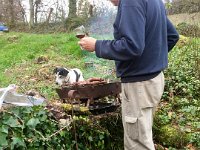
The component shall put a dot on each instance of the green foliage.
(177, 121)
(113, 123)
(173, 136)
(90, 136)
(29, 128)
(182, 76)
(35, 128)
(75, 22)
(168, 5)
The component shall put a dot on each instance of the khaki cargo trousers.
(139, 100)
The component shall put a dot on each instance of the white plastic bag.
(11, 87)
(10, 96)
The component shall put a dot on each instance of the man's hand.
(115, 2)
(88, 43)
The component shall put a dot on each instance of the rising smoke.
(101, 24)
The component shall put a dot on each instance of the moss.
(171, 135)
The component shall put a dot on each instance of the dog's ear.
(64, 72)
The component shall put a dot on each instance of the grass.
(21, 52)
(29, 46)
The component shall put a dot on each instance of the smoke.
(101, 24)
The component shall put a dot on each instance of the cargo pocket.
(131, 127)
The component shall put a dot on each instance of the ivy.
(36, 128)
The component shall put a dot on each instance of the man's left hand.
(88, 43)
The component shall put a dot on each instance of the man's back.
(141, 46)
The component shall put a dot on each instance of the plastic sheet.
(9, 95)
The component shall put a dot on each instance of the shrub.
(188, 29)
(72, 23)
(37, 128)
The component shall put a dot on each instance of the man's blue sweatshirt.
(143, 36)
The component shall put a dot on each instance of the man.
(143, 36)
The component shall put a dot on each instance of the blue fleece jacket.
(143, 36)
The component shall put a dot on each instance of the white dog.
(65, 76)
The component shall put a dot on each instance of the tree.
(91, 10)
(11, 12)
(72, 8)
(22, 12)
(49, 16)
(37, 3)
(31, 22)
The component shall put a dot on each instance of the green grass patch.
(20, 53)
(16, 47)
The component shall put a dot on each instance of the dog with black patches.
(67, 76)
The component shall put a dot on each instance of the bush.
(31, 128)
(72, 23)
(182, 76)
(188, 30)
(37, 128)
(176, 122)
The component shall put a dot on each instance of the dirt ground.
(193, 18)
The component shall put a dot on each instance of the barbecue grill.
(92, 93)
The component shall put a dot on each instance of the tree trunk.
(37, 3)
(91, 7)
(23, 12)
(72, 8)
(31, 21)
(49, 16)
(11, 12)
